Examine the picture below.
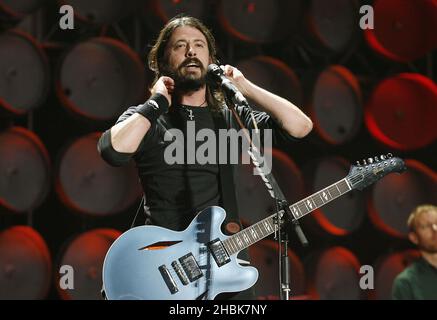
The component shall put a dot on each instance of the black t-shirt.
(176, 192)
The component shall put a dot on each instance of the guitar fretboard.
(267, 226)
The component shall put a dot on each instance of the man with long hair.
(181, 95)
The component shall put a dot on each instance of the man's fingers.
(228, 70)
(167, 81)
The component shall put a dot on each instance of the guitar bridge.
(219, 252)
(168, 279)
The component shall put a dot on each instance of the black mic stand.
(282, 205)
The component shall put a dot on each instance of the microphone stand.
(282, 205)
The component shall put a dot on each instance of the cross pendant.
(191, 114)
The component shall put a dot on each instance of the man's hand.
(164, 86)
(236, 77)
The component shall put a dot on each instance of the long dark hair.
(157, 59)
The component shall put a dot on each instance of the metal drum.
(273, 75)
(24, 170)
(157, 13)
(394, 197)
(343, 215)
(99, 12)
(100, 78)
(404, 30)
(24, 73)
(402, 110)
(18, 9)
(335, 105)
(85, 255)
(334, 275)
(25, 264)
(331, 27)
(259, 21)
(88, 185)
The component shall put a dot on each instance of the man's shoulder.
(409, 272)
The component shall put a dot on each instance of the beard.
(187, 82)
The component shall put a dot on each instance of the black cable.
(138, 210)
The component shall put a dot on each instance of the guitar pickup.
(219, 252)
(190, 266)
(179, 272)
(168, 279)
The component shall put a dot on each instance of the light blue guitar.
(154, 263)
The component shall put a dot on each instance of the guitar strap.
(232, 222)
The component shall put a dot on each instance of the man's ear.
(413, 237)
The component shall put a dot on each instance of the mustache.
(188, 61)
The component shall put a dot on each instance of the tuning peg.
(383, 157)
(376, 159)
(358, 163)
(370, 160)
(389, 156)
(364, 162)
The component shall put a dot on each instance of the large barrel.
(18, 9)
(334, 103)
(24, 72)
(259, 21)
(85, 254)
(273, 75)
(394, 197)
(24, 170)
(25, 264)
(99, 11)
(401, 112)
(404, 30)
(342, 216)
(334, 275)
(331, 27)
(88, 185)
(158, 12)
(100, 78)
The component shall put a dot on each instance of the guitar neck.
(268, 226)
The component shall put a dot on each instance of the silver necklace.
(190, 112)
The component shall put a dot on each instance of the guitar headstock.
(370, 170)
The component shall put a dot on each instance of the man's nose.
(190, 51)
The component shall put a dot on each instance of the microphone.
(216, 75)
